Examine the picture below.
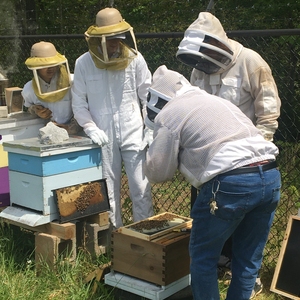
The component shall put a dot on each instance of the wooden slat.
(274, 287)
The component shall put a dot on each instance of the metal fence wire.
(280, 48)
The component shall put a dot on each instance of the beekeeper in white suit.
(225, 68)
(218, 150)
(48, 94)
(109, 93)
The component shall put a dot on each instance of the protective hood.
(33, 63)
(205, 45)
(63, 83)
(166, 85)
(96, 38)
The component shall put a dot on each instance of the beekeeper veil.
(205, 45)
(166, 85)
(44, 55)
(111, 25)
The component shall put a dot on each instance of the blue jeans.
(246, 206)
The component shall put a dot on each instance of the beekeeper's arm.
(162, 156)
(267, 102)
(143, 79)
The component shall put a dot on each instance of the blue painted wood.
(54, 164)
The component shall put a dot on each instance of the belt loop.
(260, 170)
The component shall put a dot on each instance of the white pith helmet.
(110, 25)
(43, 49)
(108, 16)
(44, 55)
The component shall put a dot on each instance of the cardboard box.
(14, 99)
(161, 260)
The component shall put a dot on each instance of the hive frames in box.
(158, 223)
(155, 226)
(82, 200)
(160, 257)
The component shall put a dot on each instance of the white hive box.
(15, 127)
(36, 170)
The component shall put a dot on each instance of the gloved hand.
(41, 111)
(72, 127)
(97, 135)
(148, 136)
(267, 132)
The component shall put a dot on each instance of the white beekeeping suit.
(109, 96)
(225, 68)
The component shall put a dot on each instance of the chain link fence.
(280, 48)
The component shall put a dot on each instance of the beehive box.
(36, 170)
(16, 127)
(4, 187)
(159, 256)
(55, 163)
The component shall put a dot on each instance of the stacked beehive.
(37, 170)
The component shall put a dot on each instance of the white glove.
(148, 136)
(97, 135)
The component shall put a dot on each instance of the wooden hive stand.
(54, 240)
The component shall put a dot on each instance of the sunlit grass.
(19, 280)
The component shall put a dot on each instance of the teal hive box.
(54, 164)
(37, 170)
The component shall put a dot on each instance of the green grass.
(67, 281)
(19, 280)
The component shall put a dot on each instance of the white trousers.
(139, 186)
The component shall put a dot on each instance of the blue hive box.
(37, 170)
(54, 164)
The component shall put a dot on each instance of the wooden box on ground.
(160, 257)
(286, 280)
(14, 99)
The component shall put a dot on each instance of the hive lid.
(34, 147)
(24, 216)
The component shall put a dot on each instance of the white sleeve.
(143, 79)
(79, 98)
(162, 156)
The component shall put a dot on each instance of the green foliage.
(73, 17)
(160, 16)
(257, 14)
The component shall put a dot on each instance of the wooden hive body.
(162, 259)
